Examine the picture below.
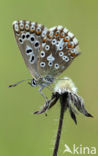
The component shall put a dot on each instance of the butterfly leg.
(44, 96)
(46, 105)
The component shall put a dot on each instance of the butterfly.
(46, 52)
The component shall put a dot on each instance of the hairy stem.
(63, 102)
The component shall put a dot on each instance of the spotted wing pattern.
(45, 51)
(28, 38)
(59, 48)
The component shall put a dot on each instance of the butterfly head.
(43, 82)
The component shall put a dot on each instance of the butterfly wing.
(28, 38)
(45, 52)
(59, 49)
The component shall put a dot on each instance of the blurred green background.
(21, 132)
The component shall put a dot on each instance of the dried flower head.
(65, 85)
(66, 89)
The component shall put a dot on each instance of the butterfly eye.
(61, 53)
(34, 83)
(47, 47)
(50, 64)
(42, 54)
(42, 64)
(66, 58)
(56, 66)
(36, 44)
(54, 41)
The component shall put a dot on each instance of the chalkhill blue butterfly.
(46, 52)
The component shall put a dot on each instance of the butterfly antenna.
(14, 85)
